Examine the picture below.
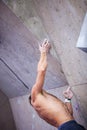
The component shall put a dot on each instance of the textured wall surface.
(63, 20)
(19, 55)
(32, 21)
(6, 116)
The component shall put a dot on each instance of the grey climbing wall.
(6, 116)
(19, 55)
(32, 21)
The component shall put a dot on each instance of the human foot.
(68, 93)
(45, 47)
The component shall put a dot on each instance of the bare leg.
(68, 95)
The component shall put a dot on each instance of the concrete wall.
(61, 21)
(27, 119)
(6, 117)
(18, 54)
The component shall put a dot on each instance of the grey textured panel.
(6, 116)
(26, 11)
(9, 83)
(81, 94)
(63, 20)
(19, 50)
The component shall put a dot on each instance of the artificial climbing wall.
(19, 55)
(6, 116)
(23, 25)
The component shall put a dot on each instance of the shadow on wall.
(6, 117)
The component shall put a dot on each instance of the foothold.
(77, 107)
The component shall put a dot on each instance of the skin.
(49, 107)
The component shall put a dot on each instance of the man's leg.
(68, 94)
